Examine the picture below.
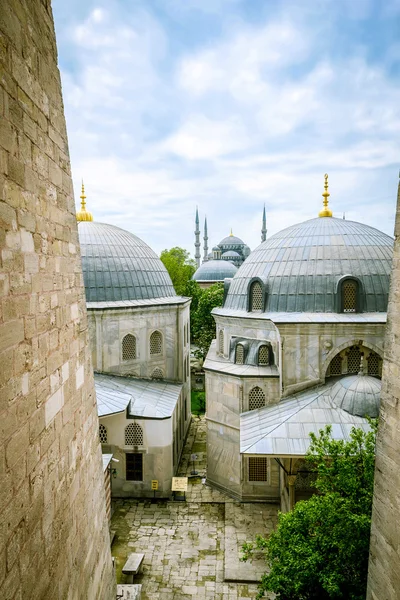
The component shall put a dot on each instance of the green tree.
(202, 321)
(319, 550)
(180, 267)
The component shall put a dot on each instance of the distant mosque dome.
(358, 395)
(231, 240)
(230, 254)
(215, 270)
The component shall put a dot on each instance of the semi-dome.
(215, 270)
(230, 254)
(358, 395)
(117, 265)
(301, 267)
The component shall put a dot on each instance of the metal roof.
(231, 240)
(146, 398)
(283, 429)
(220, 364)
(297, 317)
(106, 460)
(120, 304)
(302, 264)
(117, 265)
(215, 270)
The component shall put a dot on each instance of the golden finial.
(325, 212)
(231, 234)
(83, 214)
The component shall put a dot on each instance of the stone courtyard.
(192, 548)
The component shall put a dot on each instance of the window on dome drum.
(133, 435)
(156, 343)
(258, 468)
(256, 398)
(103, 434)
(263, 356)
(335, 368)
(221, 341)
(374, 364)
(129, 347)
(349, 295)
(353, 359)
(239, 354)
(134, 467)
(256, 296)
(157, 374)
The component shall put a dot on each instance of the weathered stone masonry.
(54, 540)
(384, 572)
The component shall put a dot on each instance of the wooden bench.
(132, 566)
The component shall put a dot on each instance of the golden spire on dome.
(83, 214)
(231, 234)
(325, 212)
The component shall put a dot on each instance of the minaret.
(205, 257)
(197, 240)
(264, 227)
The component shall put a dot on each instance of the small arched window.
(157, 374)
(263, 355)
(354, 360)
(374, 364)
(256, 296)
(239, 354)
(256, 398)
(335, 367)
(349, 295)
(133, 435)
(129, 347)
(221, 341)
(103, 433)
(156, 343)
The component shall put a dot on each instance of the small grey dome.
(215, 270)
(230, 254)
(302, 265)
(216, 249)
(231, 240)
(117, 265)
(358, 395)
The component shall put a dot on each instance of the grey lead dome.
(358, 395)
(215, 270)
(117, 265)
(301, 266)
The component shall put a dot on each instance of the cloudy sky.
(230, 104)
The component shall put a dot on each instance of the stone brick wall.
(54, 540)
(384, 571)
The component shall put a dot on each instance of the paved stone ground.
(185, 543)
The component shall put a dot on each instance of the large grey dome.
(231, 240)
(301, 266)
(215, 270)
(117, 265)
(358, 395)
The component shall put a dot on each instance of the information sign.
(154, 484)
(179, 484)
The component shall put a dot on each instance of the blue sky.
(230, 104)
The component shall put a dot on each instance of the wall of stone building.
(259, 329)
(384, 572)
(54, 540)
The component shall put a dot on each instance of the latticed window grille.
(102, 434)
(263, 355)
(239, 354)
(157, 374)
(349, 295)
(156, 343)
(133, 435)
(373, 361)
(129, 347)
(335, 368)
(134, 467)
(221, 341)
(354, 360)
(256, 296)
(258, 468)
(256, 398)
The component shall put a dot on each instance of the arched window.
(256, 398)
(156, 343)
(221, 341)
(133, 435)
(239, 354)
(256, 296)
(129, 347)
(263, 355)
(157, 374)
(335, 367)
(354, 360)
(103, 433)
(374, 364)
(349, 295)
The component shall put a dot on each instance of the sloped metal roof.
(117, 265)
(283, 429)
(120, 304)
(143, 397)
(302, 264)
(215, 270)
(310, 317)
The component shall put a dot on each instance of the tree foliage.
(202, 322)
(180, 267)
(319, 550)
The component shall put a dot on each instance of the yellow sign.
(154, 484)
(179, 484)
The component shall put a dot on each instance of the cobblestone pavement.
(184, 543)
